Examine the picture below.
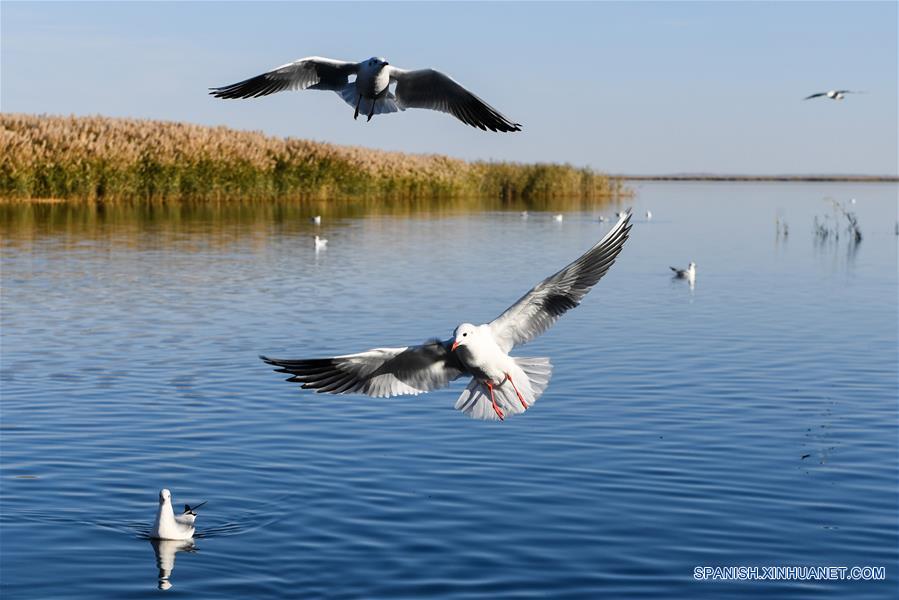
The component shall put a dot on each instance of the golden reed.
(127, 160)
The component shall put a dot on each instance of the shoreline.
(764, 178)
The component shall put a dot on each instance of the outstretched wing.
(536, 311)
(313, 72)
(382, 372)
(818, 95)
(427, 88)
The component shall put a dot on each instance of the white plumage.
(370, 93)
(167, 525)
(501, 384)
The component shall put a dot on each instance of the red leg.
(520, 397)
(496, 409)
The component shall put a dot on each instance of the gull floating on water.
(688, 273)
(320, 243)
(558, 218)
(603, 219)
(316, 220)
(832, 94)
(167, 525)
(648, 215)
(524, 214)
(501, 385)
(370, 92)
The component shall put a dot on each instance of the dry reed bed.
(107, 159)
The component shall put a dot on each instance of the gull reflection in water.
(165, 557)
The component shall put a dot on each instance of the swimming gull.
(558, 218)
(167, 525)
(370, 92)
(316, 220)
(688, 273)
(320, 243)
(500, 385)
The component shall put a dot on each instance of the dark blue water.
(749, 421)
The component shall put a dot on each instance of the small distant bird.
(524, 214)
(688, 273)
(167, 526)
(603, 219)
(320, 243)
(316, 220)
(648, 215)
(832, 94)
(620, 213)
(500, 385)
(370, 93)
(558, 218)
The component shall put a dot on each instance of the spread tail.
(531, 376)
(383, 105)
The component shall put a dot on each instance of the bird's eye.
(464, 334)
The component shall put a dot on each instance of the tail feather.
(531, 377)
(386, 104)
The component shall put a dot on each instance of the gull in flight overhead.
(167, 525)
(501, 385)
(370, 93)
(832, 94)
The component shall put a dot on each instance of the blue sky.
(622, 87)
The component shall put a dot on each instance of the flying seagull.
(370, 92)
(832, 94)
(500, 385)
(167, 525)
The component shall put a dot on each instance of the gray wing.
(818, 95)
(313, 72)
(536, 311)
(427, 88)
(381, 372)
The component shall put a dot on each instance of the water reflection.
(165, 551)
(25, 222)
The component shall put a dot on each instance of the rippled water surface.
(749, 421)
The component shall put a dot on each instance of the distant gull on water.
(320, 243)
(501, 385)
(316, 220)
(370, 92)
(558, 218)
(688, 273)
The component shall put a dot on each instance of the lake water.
(751, 420)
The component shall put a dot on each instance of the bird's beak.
(455, 345)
